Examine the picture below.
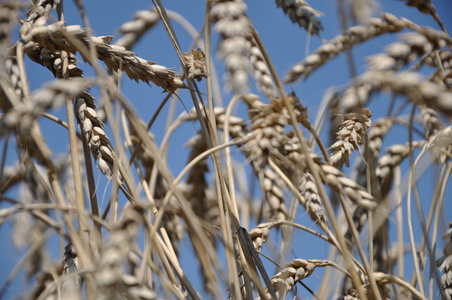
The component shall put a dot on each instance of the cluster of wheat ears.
(332, 176)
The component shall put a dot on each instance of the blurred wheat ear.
(261, 174)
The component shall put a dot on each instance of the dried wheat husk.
(196, 64)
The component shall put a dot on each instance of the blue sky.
(286, 44)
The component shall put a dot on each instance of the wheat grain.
(27, 231)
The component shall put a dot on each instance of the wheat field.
(225, 149)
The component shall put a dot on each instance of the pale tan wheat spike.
(259, 235)
(237, 128)
(350, 136)
(109, 272)
(445, 264)
(8, 20)
(85, 109)
(427, 7)
(412, 85)
(443, 75)
(394, 156)
(308, 188)
(430, 120)
(196, 193)
(301, 13)
(358, 34)
(377, 133)
(235, 29)
(116, 58)
(333, 177)
(21, 117)
(297, 270)
(260, 70)
(27, 230)
(170, 220)
(40, 12)
(337, 181)
(132, 31)
(196, 64)
(400, 54)
(265, 140)
(14, 76)
(197, 185)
